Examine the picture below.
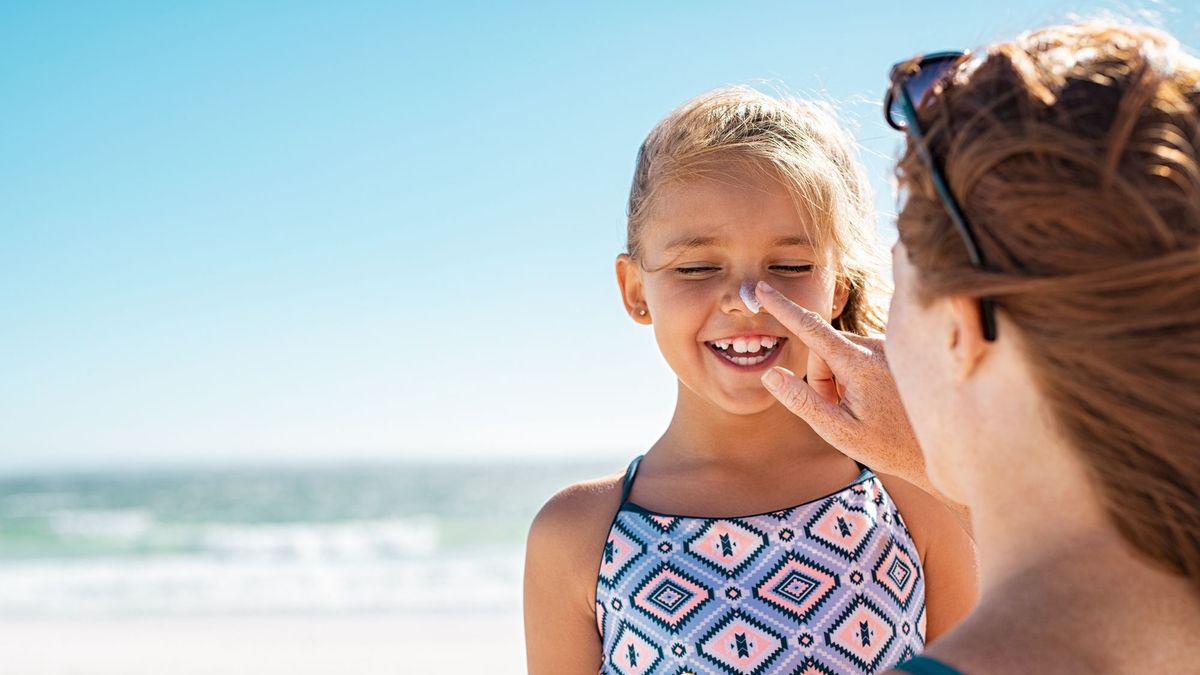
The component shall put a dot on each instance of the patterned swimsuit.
(830, 586)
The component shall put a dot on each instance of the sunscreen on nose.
(748, 297)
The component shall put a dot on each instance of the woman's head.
(1075, 155)
(733, 187)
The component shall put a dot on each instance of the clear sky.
(265, 231)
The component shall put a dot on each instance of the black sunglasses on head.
(912, 84)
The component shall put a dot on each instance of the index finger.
(821, 338)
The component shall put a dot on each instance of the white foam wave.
(205, 584)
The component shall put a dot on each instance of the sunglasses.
(912, 85)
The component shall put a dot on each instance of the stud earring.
(641, 312)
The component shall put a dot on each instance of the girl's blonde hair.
(797, 142)
(1075, 154)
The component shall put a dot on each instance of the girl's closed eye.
(792, 269)
(697, 270)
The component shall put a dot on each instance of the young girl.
(658, 569)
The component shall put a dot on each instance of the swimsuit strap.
(629, 474)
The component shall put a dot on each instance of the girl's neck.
(702, 433)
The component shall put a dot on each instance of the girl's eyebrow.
(792, 241)
(693, 242)
(698, 242)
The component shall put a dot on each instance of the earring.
(641, 312)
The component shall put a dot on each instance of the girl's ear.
(629, 279)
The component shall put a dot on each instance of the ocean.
(394, 544)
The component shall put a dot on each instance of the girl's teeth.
(747, 347)
(752, 345)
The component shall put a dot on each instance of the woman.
(1044, 337)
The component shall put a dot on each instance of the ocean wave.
(192, 585)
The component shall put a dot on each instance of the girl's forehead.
(725, 205)
(750, 227)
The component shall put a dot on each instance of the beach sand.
(265, 645)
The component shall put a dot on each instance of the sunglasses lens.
(920, 84)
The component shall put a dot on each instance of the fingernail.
(765, 287)
(772, 379)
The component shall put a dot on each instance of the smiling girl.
(741, 542)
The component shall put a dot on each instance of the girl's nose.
(740, 297)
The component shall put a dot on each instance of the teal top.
(926, 666)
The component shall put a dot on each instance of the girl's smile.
(748, 353)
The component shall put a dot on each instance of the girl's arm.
(562, 557)
(947, 556)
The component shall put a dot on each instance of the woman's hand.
(849, 397)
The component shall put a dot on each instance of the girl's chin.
(752, 404)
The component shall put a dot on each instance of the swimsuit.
(833, 585)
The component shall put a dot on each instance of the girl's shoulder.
(926, 518)
(582, 503)
(571, 528)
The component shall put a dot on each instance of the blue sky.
(303, 231)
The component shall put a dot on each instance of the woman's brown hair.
(1075, 154)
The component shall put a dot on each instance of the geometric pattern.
(739, 644)
(828, 586)
(797, 586)
(862, 633)
(727, 546)
(897, 573)
(842, 528)
(663, 523)
(622, 549)
(669, 597)
(633, 653)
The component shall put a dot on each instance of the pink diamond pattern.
(862, 633)
(897, 573)
(797, 586)
(845, 529)
(670, 597)
(727, 546)
(742, 646)
(633, 653)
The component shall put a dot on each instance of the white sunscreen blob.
(748, 297)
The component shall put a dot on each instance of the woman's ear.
(967, 344)
(629, 279)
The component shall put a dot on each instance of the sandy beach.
(265, 645)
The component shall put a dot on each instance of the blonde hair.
(800, 144)
(1075, 153)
